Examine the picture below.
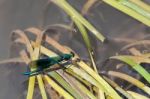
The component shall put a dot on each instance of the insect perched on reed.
(43, 64)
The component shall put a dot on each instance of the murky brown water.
(21, 14)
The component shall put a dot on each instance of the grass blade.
(136, 66)
(141, 4)
(58, 88)
(41, 86)
(131, 80)
(65, 85)
(76, 16)
(31, 87)
(128, 11)
(108, 89)
(118, 88)
(137, 96)
(87, 42)
(135, 8)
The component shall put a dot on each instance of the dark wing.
(42, 62)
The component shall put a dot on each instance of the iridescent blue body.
(45, 63)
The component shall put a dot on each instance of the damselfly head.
(72, 53)
(67, 56)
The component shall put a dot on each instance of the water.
(21, 14)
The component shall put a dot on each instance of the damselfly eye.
(72, 53)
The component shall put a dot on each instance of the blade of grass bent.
(76, 16)
(84, 34)
(30, 49)
(136, 43)
(131, 80)
(87, 42)
(48, 39)
(34, 55)
(87, 6)
(25, 39)
(31, 79)
(134, 65)
(12, 60)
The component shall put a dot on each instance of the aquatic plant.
(81, 80)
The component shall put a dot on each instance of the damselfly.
(43, 64)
